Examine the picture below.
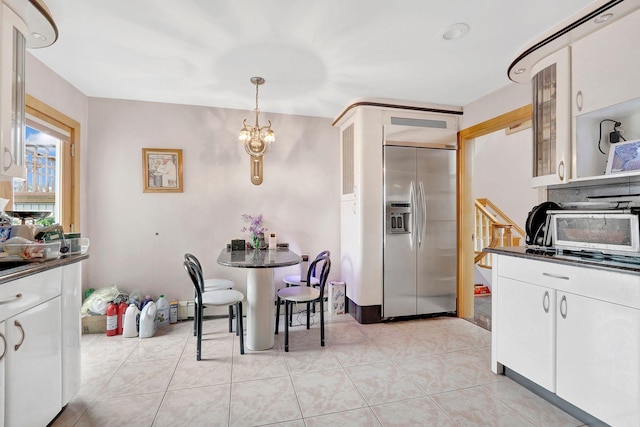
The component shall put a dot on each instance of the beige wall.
(503, 100)
(138, 239)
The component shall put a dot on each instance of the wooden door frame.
(466, 202)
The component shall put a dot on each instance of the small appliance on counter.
(604, 228)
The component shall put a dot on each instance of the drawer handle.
(15, 322)
(7, 301)
(563, 303)
(555, 276)
(546, 301)
(4, 346)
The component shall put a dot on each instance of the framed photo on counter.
(161, 170)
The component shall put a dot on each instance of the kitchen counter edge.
(521, 252)
(35, 267)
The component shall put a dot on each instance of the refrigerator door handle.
(414, 223)
(423, 213)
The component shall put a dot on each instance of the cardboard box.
(337, 293)
(94, 324)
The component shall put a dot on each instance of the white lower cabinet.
(32, 366)
(574, 331)
(527, 335)
(598, 360)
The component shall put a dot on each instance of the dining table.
(260, 265)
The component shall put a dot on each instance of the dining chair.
(212, 284)
(221, 297)
(297, 280)
(305, 294)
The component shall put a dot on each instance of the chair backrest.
(192, 258)
(313, 266)
(325, 262)
(195, 274)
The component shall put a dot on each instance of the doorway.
(466, 201)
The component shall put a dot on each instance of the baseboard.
(364, 314)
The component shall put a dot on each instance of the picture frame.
(624, 157)
(161, 170)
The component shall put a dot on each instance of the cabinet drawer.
(22, 294)
(604, 285)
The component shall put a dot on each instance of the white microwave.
(607, 231)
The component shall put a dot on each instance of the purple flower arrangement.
(255, 229)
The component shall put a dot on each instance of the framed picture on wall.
(161, 170)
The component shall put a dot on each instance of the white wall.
(503, 100)
(138, 239)
(502, 173)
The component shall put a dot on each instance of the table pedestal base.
(260, 310)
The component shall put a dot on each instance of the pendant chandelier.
(256, 139)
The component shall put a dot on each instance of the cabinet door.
(598, 358)
(32, 366)
(12, 87)
(525, 330)
(604, 72)
(551, 119)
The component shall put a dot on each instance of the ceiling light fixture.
(520, 71)
(38, 36)
(603, 18)
(455, 31)
(256, 139)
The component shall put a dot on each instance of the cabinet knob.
(579, 100)
(546, 301)
(4, 346)
(561, 170)
(19, 326)
(563, 307)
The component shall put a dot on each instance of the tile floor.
(432, 372)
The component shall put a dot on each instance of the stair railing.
(493, 229)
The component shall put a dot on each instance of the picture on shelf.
(624, 157)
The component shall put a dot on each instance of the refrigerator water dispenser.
(398, 217)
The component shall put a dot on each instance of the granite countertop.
(550, 255)
(258, 258)
(12, 270)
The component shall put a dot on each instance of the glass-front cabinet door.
(551, 86)
(12, 89)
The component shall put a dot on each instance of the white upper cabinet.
(23, 24)
(12, 95)
(551, 87)
(606, 65)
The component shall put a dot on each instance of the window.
(53, 166)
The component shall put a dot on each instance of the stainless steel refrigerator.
(420, 268)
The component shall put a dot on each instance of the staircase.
(493, 229)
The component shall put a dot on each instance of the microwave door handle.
(548, 233)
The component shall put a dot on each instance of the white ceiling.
(316, 55)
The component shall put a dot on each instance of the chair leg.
(239, 326)
(231, 319)
(277, 314)
(321, 321)
(195, 319)
(290, 316)
(286, 326)
(199, 333)
(308, 315)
